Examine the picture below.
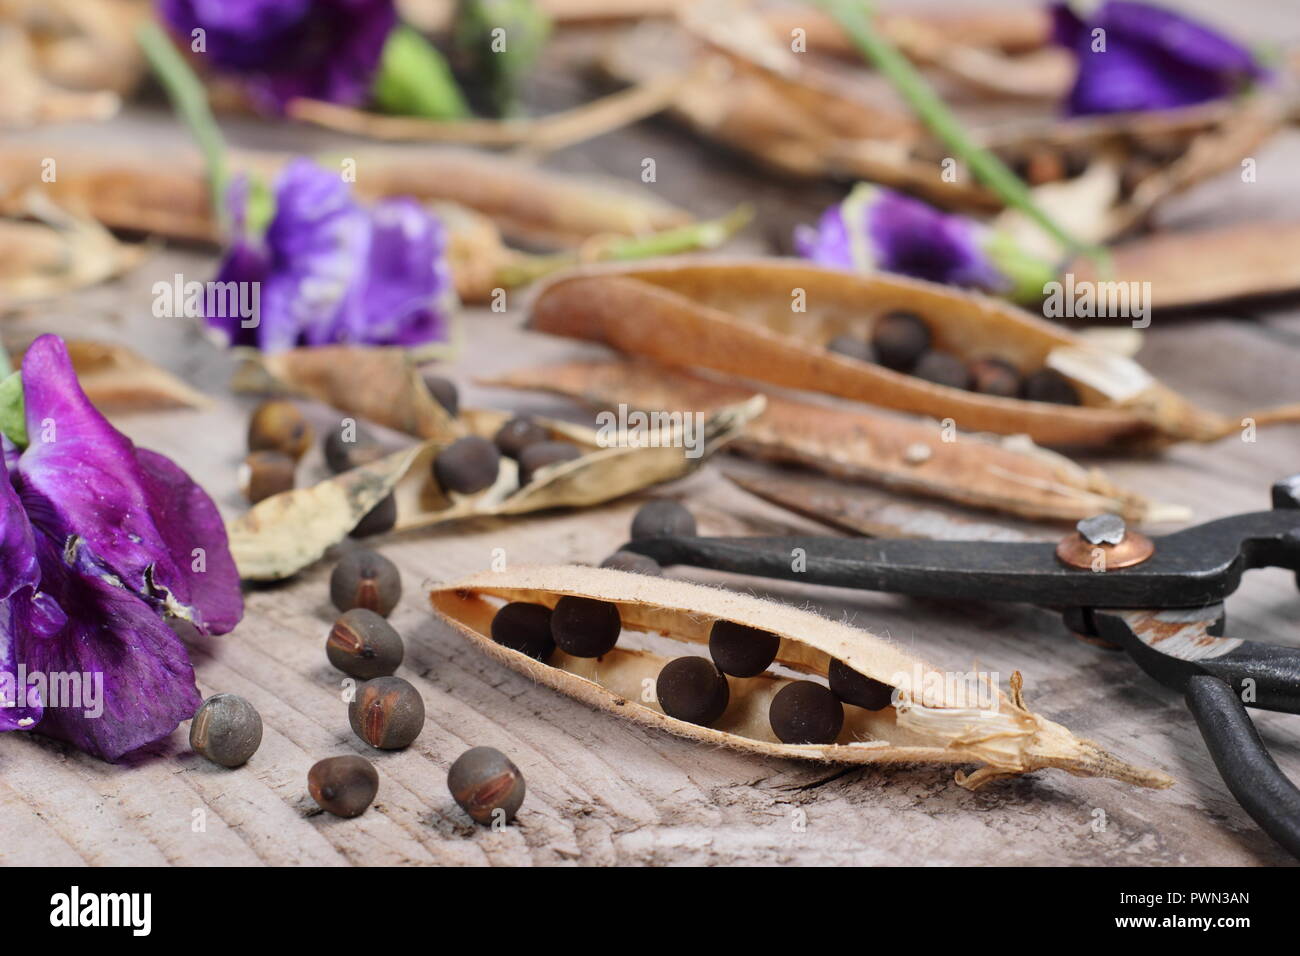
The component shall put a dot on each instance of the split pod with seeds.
(1160, 599)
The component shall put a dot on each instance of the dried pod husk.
(48, 252)
(117, 378)
(285, 533)
(736, 317)
(931, 720)
(1010, 475)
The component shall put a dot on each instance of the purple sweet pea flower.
(1153, 59)
(332, 271)
(282, 49)
(101, 540)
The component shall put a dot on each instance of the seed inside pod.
(631, 561)
(378, 519)
(517, 434)
(995, 376)
(348, 447)
(899, 340)
(278, 425)
(345, 786)
(487, 785)
(387, 713)
(266, 473)
(365, 579)
(805, 712)
(525, 627)
(364, 645)
(585, 627)
(227, 730)
(1049, 385)
(692, 689)
(942, 368)
(540, 454)
(858, 689)
(467, 465)
(444, 391)
(740, 650)
(853, 347)
(661, 517)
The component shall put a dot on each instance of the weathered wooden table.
(599, 790)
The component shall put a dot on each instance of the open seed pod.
(739, 317)
(931, 719)
(285, 533)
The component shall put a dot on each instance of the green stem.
(190, 101)
(854, 16)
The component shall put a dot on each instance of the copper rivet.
(1078, 552)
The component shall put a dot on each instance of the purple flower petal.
(828, 243)
(404, 301)
(20, 573)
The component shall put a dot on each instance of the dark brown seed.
(853, 347)
(858, 689)
(486, 785)
(266, 473)
(467, 465)
(517, 434)
(661, 517)
(942, 368)
(365, 579)
(444, 391)
(899, 340)
(740, 650)
(348, 447)
(345, 786)
(378, 519)
(585, 627)
(540, 454)
(995, 376)
(526, 628)
(387, 713)
(805, 712)
(1049, 385)
(364, 645)
(692, 689)
(227, 730)
(278, 425)
(631, 561)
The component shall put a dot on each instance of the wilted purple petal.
(404, 301)
(19, 574)
(828, 242)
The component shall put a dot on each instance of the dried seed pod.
(692, 689)
(995, 376)
(853, 347)
(858, 689)
(363, 644)
(350, 447)
(278, 425)
(661, 517)
(1049, 385)
(805, 712)
(387, 713)
(227, 730)
(899, 340)
(378, 519)
(345, 786)
(444, 390)
(942, 368)
(517, 434)
(543, 453)
(742, 651)
(367, 580)
(526, 628)
(487, 785)
(266, 473)
(467, 465)
(633, 562)
(585, 627)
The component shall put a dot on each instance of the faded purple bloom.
(282, 49)
(102, 541)
(333, 271)
(1153, 59)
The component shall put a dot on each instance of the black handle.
(1246, 766)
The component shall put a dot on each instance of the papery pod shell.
(285, 533)
(928, 723)
(49, 253)
(735, 316)
(115, 378)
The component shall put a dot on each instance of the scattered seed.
(345, 786)
(995, 376)
(487, 785)
(364, 645)
(467, 465)
(540, 454)
(378, 519)
(350, 448)
(365, 579)
(805, 712)
(942, 368)
(387, 713)
(517, 434)
(899, 340)
(692, 689)
(853, 347)
(585, 627)
(661, 517)
(444, 390)
(227, 730)
(266, 473)
(1049, 385)
(631, 561)
(858, 689)
(740, 650)
(526, 628)
(278, 425)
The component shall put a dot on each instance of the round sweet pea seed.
(365, 579)
(858, 689)
(467, 465)
(805, 712)
(942, 368)
(1049, 385)
(853, 347)
(524, 627)
(741, 650)
(899, 340)
(364, 645)
(387, 713)
(633, 562)
(345, 786)
(444, 392)
(350, 447)
(692, 689)
(227, 730)
(278, 425)
(661, 517)
(517, 434)
(585, 627)
(266, 473)
(540, 454)
(378, 519)
(995, 376)
(487, 785)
